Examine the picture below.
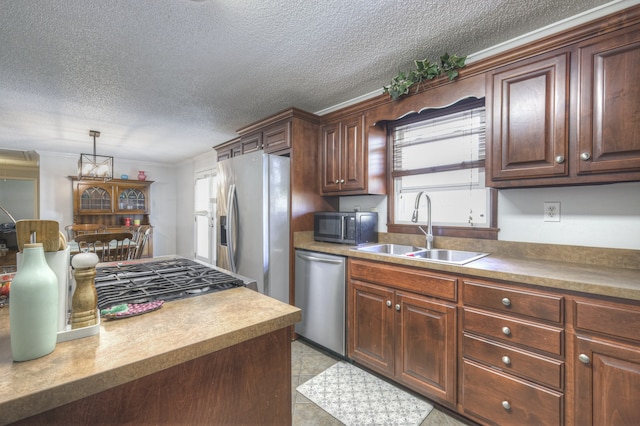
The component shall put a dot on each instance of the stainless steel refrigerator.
(253, 220)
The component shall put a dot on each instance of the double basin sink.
(455, 257)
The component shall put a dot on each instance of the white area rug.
(357, 398)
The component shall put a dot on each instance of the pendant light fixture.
(99, 167)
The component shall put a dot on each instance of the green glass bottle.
(33, 306)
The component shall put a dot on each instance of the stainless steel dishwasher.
(321, 294)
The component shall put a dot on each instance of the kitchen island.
(220, 358)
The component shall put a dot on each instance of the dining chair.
(83, 228)
(109, 247)
(143, 234)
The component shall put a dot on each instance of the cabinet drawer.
(545, 371)
(513, 301)
(405, 278)
(504, 400)
(537, 336)
(611, 319)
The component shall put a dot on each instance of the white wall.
(593, 216)
(56, 194)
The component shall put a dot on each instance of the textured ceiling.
(164, 80)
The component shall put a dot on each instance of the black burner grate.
(166, 280)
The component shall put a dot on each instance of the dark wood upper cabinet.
(352, 158)
(567, 117)
(608, 103)
(527, 124)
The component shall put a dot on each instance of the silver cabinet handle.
(560, 159)
(584, 358)
(506, 331)
(506, 405)
(506, 360)
(398, 307)
(388, 303)
(337, 181)
(585, 156)
(341, 180)
(506, 301)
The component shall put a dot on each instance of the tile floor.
(307, 362)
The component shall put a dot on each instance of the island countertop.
(131, 348)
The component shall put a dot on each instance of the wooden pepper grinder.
(85, 299)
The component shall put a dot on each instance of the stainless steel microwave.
(346, 227)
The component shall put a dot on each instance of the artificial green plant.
(425, 70)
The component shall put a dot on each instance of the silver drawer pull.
(585, 156)
(506, 405)
(388, 303)
(506, 331)
(584, 358)
(506, 360)
(560, 159)
(506, 301)
(398, 307)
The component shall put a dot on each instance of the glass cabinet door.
(95, 198)
(132, 199)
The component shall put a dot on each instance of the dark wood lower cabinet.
(246, 384)
(500, 353)
(426, 345)
(498, 398)
(607, 377)
(406, 336)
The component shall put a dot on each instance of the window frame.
(491, 232)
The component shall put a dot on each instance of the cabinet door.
(94, 198)
(607, 383)
(330, 158)
(371, 326)
(426, 346)
(276, 138)
(529, 132)
(353, 149)
(609, 103)
(251, 143)
(132, 199)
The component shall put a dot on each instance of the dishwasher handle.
(318, 259)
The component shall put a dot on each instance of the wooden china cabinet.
(111, 203)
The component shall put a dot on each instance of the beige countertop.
(127, 349)
(607, 272)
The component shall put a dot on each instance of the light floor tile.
(306, 363)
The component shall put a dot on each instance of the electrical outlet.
(552, 211)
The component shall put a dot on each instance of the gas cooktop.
(166, 279)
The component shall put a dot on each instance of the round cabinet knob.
(388, 303)
(585, 156)
(584, 358)
(506, 331)
(506, 405)
(506, 360)
(341, 180)
(560, 159)
(506, 301)
(337, 181)
(398, 307)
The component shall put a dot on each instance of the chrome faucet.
(414, 218)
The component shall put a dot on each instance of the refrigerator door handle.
(232, 227)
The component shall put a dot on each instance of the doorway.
(205, 216)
